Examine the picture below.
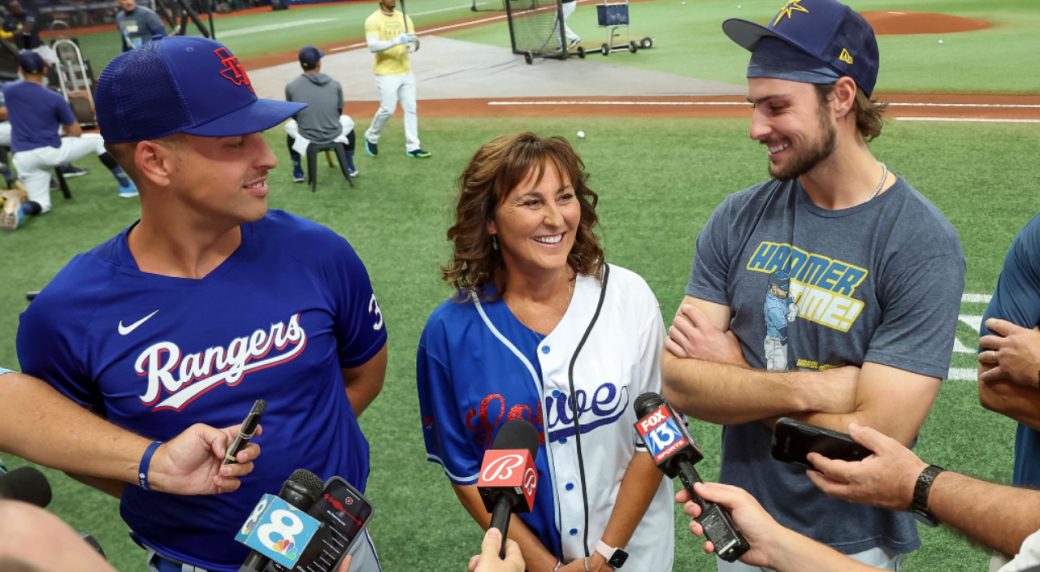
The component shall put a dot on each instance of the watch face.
(618, 559)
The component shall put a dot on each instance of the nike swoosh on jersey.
(124, 330)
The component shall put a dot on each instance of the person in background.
(137, 25)
(36, 114)
(323, 119)
(390, 35)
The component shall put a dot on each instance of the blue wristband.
(146, 459)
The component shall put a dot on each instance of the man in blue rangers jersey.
(210, 302)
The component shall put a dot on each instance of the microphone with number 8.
(675, 453)
(508, 477)
(279, 527)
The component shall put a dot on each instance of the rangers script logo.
(186, 376)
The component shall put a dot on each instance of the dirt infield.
(893, 22)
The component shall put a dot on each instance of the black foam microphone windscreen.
(26, 484)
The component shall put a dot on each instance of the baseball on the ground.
(940, 41)
(581, 135)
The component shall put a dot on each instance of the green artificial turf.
(658, 180)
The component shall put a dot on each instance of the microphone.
(26, 484)
(508, 477)
(675, 452)
(279, 527)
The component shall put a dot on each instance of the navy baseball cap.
(829, 32)
(31, 62)
(310, 56)
(181, 84)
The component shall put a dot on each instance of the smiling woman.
(534, 333)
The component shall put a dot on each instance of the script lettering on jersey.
(183, 377)
(602, 406)
(821, 287)
(483, 422)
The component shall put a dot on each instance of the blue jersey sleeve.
(1017, 296)
(360, 328)
(50, 334)
(64, 111)
(444, 430)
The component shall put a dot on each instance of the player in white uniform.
(390, 35)
(545, 331)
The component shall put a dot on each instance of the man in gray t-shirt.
(322, 120)
(137, 25)
(828, 294)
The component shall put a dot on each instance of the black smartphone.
(245, 431)
(794, 440)
(343, 512)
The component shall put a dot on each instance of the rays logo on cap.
(233, 70)
(788, 10)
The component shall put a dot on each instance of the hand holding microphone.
(192, 463)
(675, 453)
(489, 560)
(508, 476)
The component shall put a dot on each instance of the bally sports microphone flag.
(508, 477)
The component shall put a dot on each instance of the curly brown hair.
(869, 113)
(497, 168)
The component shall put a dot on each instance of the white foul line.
(273, 27)
(967, 120)
(634, 103)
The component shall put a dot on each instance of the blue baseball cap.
(182, 84)
(829, 32)
(31, 62)
(310, 56)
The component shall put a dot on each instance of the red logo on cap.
(233, 71)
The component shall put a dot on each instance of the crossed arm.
(1009, 371)
(705, 375)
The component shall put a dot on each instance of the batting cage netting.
(534, 28)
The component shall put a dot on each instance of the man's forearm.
(45, 427)
(1015, 401)
(995, 515)
(729, 394)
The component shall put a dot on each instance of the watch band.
(919, 505)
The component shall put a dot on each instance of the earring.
(494, 242)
